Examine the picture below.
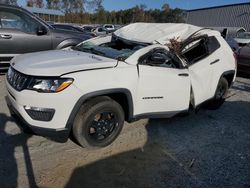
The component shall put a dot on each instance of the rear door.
(18, 34)
(198, 55)
(164, 84)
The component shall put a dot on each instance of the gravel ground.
(208, 149)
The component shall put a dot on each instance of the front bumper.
(53, 134)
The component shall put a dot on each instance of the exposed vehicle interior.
(161, 58)
(199, 48)
(116, 49)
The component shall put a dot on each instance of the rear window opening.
(195, 51)
(200, 48)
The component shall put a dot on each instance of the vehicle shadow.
(210, 149)
(8, 163)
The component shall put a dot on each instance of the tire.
(98, 122)
(220, 95)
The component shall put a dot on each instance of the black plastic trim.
(183, 74)
(215, 61)
(157, 115)
(52, 134)
(85, 97)
(227, 73)
(5, 58)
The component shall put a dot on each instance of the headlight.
(49, 85)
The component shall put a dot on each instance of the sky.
(183, 4)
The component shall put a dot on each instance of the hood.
(58, 62)
(155, 32)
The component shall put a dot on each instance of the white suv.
(109, 27)
(142, 71)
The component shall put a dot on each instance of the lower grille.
(40, 114)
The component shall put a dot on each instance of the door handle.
(183, 74)
(3, 36)
(215, 61)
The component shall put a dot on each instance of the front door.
(164, 84)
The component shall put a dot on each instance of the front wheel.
(98, 122)
(220, 95)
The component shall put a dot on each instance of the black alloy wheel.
(98, 122)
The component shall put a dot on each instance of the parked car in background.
(90, 90)
(23, 32)
(244, 59)
(72, 28)
(88, 28)
(233, 43)
(243, 38)
(100, 31)
(68, 27)
(109, 27)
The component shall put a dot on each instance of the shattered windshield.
(116, 49)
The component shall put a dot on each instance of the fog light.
(40, 114)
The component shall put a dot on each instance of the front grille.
(16, 79)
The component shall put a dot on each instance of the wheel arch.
(68, 42)
(229, 75)
(120, 95)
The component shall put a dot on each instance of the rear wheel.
(220, 95)
(98, 122)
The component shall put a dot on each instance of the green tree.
(73, 6)
(75, 12)
(120, 21)
(165, 7)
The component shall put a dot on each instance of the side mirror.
(158, 58)
(224, 33)
(120, 58)
(41, 30)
